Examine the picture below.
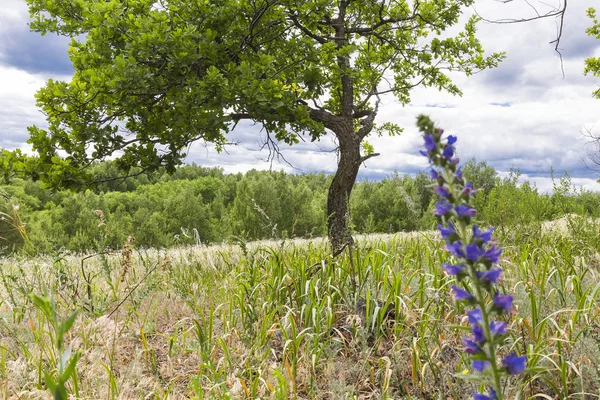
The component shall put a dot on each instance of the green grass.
(280, 320)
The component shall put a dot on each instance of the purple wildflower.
(448, 152)
(442, 208)
(485, 237)
(471, 347)
(514, 364)
(478, 254)
(479, 365)
(498, 328)
(473, 252)
(464, 211)
(429, 143)
(454, 270)
(491, 396)
(478, 334)
(447, 232)
(475, 316)
(459, 173)
(503, 302)
(468, 190)
(460, 294)
(490, 276)
(442, 191)
(493, 254)
(456, 249)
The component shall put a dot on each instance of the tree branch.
(365, 158)
(558, 12)
(306, 31)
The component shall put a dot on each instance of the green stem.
(488, 334)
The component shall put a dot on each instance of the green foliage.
(592, 64)
(197, 204)
(480, 174)
(65, 360)
(392, 205)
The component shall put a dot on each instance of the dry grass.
(270, 320)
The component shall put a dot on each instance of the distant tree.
(481, 174)
(151, 77)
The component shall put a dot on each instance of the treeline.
(202, 205)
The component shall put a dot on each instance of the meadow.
(281, 319)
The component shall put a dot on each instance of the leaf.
(71, 366)
(68, 323)
(43, 304)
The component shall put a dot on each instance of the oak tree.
(592, 64)
(151, 77)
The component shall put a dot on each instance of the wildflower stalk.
(478, 256)
(488, 335)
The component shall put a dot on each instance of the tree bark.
(339, 192)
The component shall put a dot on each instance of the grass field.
(281, 320)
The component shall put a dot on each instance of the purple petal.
(473, 252)
(503, 302)
(452, 139)
(460, 294)
(442, 208)
(475, 316)
(483, 236)
(491, 396)
(447, 232)
(493, 254)
(470, 346)
(464, 211)
(456, 249)
(498, 328)
(478, 334)
(480, 365)
(442, 191)
(454, 270)
(448, 152)
(429, 142)
(514, 364)
(490, 276)
(459, 173)
(468, 189)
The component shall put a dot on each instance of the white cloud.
(17, 105)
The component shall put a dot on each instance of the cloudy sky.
(522, 114)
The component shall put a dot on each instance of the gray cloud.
(33, 53)
(30, 51)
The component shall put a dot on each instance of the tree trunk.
(339, 192)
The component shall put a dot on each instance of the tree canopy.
(153, 77)
(592, 64)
